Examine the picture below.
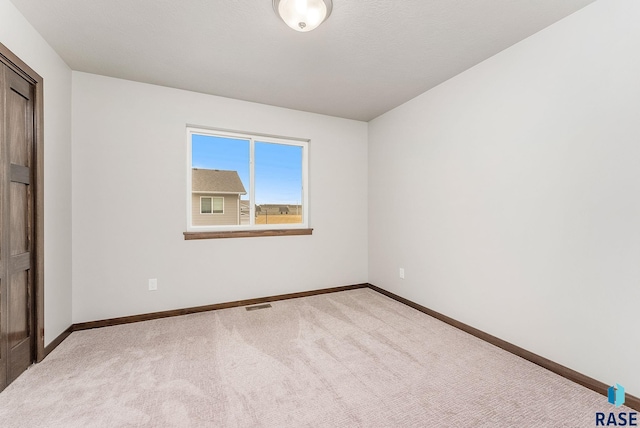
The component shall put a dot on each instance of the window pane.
(237, 173)
(205, 205)
(278, 183)
(220, 171)
(218, 205)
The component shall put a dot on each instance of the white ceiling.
(369, 57)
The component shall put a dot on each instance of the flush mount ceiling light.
(303, 15)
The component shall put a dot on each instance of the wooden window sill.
(246, 233)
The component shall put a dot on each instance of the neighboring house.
(275, 209)
(215, 196)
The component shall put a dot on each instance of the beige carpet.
(349, 359)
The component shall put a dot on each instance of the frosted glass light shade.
(303, 15)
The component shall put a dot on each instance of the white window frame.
(212, 211)
(252, 138)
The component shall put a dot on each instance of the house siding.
(229, 217)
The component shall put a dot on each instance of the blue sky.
(278, 167)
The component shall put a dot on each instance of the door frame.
(12, 61)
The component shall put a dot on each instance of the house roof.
(215, 180)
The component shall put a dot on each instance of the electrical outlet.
(401, 273)
(153, 284)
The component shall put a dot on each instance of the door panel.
(19, 328)
(17, 112)
(19, 203)
(19, 309)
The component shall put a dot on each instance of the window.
(251, 182)
(211, 205)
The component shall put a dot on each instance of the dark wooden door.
(17, 141)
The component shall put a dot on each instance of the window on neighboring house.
(210, 205)
(252, 181)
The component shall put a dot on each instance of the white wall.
(23, 40)
(129, 184)
(511, 195)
